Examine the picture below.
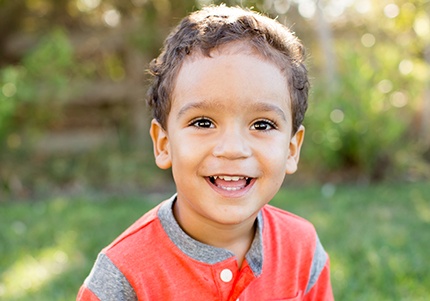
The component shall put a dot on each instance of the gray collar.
(206, 253)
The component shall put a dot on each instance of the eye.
(263, 125)
(202, 122)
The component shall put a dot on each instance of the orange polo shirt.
(156, 260)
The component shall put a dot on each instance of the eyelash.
(208, 122)
(267, 122)
(205, 122)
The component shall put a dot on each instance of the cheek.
(186, 152)
(276, 151)
(275, 161)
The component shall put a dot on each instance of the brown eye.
(203, 123)
(263, 125)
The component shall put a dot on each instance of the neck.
(236, 238)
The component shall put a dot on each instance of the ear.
(160, 142)
(295, 146)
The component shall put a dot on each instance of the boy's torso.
(155, 260)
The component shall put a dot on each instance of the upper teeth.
(228, 178)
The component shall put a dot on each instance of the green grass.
(378, 239)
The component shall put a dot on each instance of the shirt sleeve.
(106, 283)
(319, 286)
(321, 290)
(86, 295)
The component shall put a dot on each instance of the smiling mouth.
(230, 183)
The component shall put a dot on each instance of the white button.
(226, 275)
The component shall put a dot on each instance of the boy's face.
(228, 137)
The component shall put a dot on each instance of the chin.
(230, 217)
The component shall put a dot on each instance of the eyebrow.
(255, 106)
(269, 107)
(201, 105)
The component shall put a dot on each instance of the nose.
(232, 145)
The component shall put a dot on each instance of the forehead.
(262, 52)
(237, 59)
(233, 76)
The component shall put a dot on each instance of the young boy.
(228, 97)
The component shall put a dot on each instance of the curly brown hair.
(212, 26)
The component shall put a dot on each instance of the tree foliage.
(79, 64)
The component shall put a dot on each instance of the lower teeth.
(230, 188)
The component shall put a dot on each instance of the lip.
(232, 193)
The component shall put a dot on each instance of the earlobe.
(160, 142)
(295, 147)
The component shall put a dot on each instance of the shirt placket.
(230, 280)
(244, 279)
(224, 275)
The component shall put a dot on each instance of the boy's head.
(229, 96)
(214, 26)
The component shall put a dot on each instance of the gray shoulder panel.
(108, 283)
(318, 262)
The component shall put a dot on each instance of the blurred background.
(76, 161)
(73, 81)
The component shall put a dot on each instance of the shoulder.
(137, 230)
(292, 236)
(294, 240)
(287, 224)
(140, 234)
(111, 277)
